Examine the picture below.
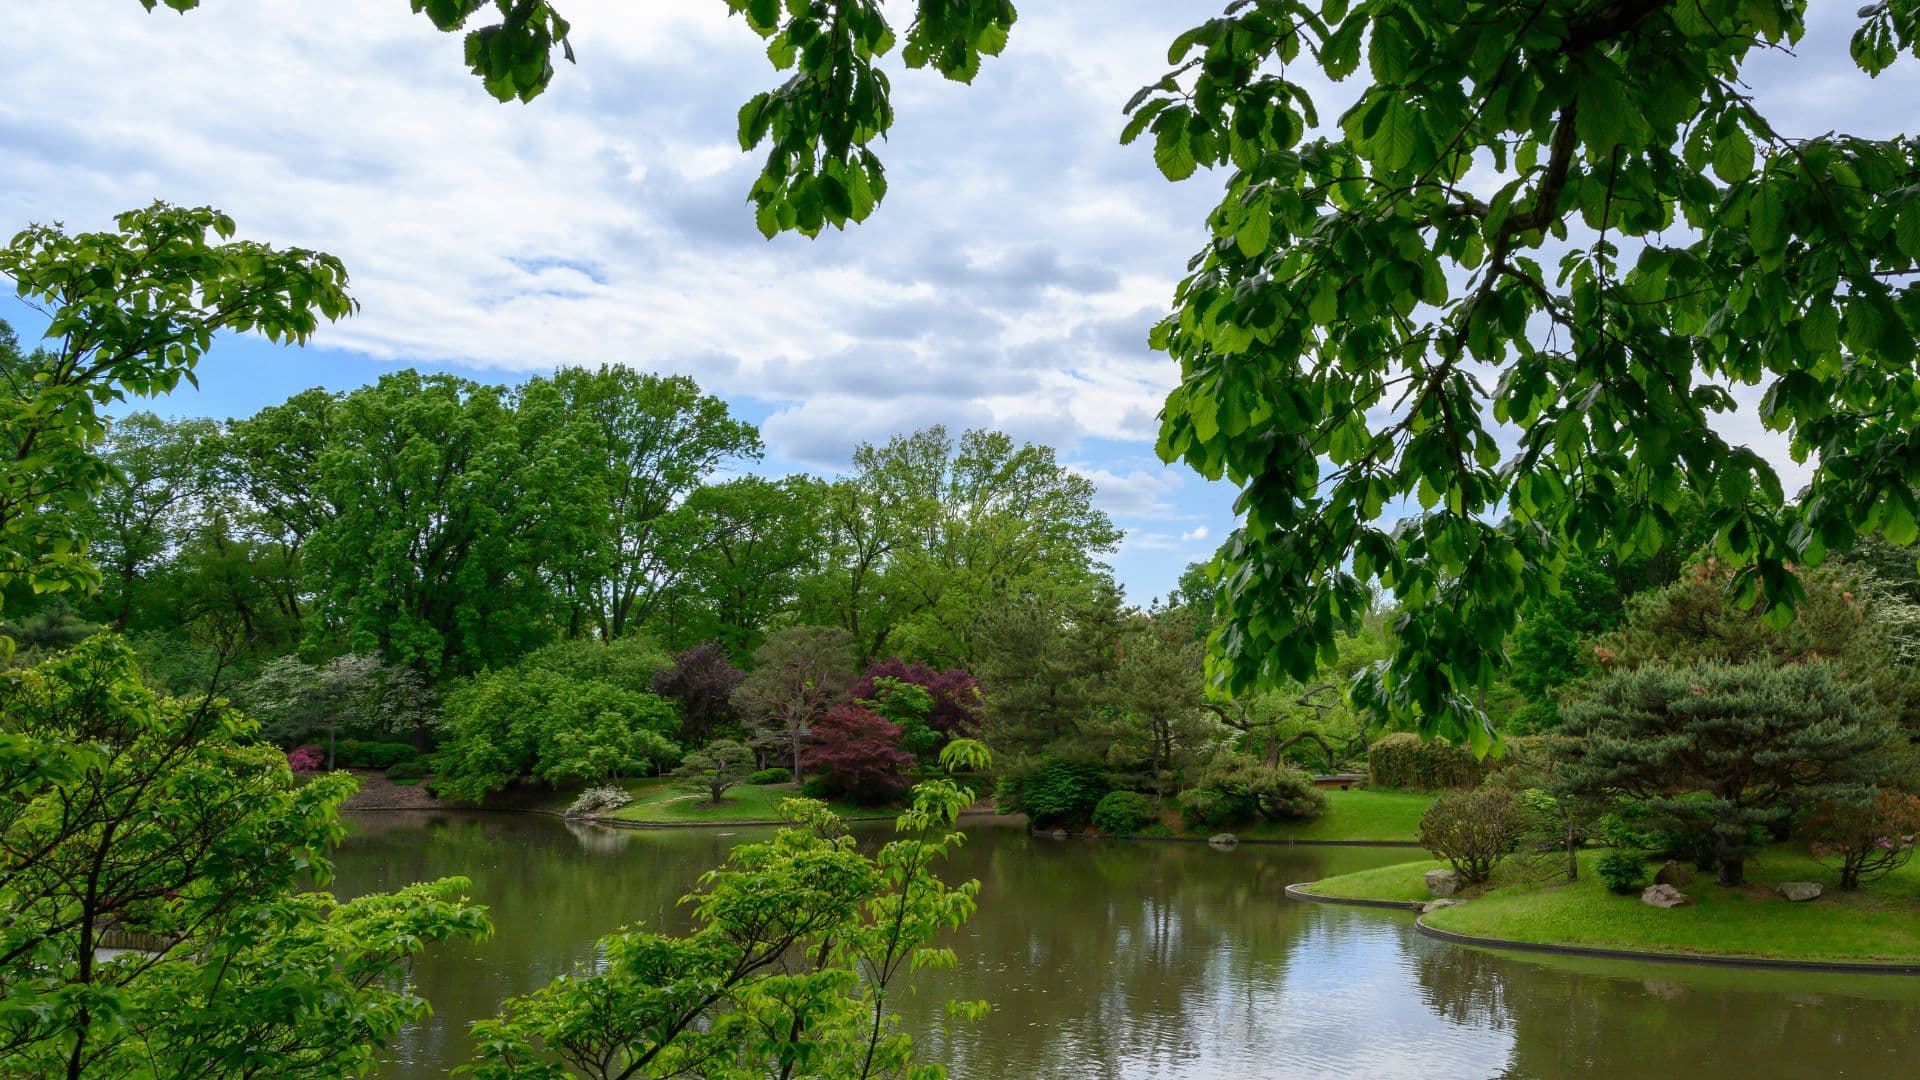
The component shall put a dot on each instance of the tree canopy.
(1569, 218)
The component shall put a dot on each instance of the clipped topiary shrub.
(1121, 813)
(770, 776)
(1622, 870)
(306, 759)
(1474, 830)
(1053, 792)
(407, 770)
(381, 755)
(1407, 762)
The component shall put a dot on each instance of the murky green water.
(1159, 960)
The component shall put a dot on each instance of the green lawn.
(1402, 881)
(1880, 923)
(662, 802)
(1359, 814)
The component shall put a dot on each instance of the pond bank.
(1876, 930)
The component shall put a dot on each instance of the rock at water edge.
(1225, 839)
(1436, 905)
(1443, 882)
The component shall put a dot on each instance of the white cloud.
(607, 219)
(1135, 493)
(1195, 534)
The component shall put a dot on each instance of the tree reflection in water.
(1110, 960)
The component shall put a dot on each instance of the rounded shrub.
(813, 787)
(384, 755)
(1407, 762)
(1120, 813)
(407, 770)
(770, 776)
(1237, 788)
(1055, 791)
(1621, 870)
(1474, 830)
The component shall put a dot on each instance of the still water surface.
(1108, 960)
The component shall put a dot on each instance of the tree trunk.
(1573, 848)
(1733, 871)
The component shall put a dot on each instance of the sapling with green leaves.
(797, 947)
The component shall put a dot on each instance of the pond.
(1113, 959)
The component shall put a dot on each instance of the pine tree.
(1729, 750)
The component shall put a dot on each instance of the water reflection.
(1153, 960)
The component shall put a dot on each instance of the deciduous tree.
(798, 676)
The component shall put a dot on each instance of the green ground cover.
(663, 802)
(1358, 814)
(1879, 924)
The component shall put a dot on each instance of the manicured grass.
(1357, 814)
(662, 802)
(1880, 923)
(1401, 881)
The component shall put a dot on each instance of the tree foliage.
(127, 813)
(129, 311)
(1868, 840)
(532, 721)
(1726, 751)
(1361, 319)
(701, 681)
(356, 695)
(798, 676)
(451, 501)
(798, 944)
(653, 440)
(715, 768)
(1474, 830)
(857, 755)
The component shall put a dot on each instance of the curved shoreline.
(1238, 840)
(1831, 967)
(1298, 891)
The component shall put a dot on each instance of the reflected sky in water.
(1159, 960)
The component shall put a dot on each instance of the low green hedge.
(1407, 762)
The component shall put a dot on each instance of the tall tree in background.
(146, 510)
(1045, 663)
(1150, 718)
(746, 548)
(798, 675)
(452, 499)
(930, 534)
(652, 439)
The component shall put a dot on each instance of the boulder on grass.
(1674, 874)
(1443, 882)
(1665, 896)
(1436, 905)
(1798, 891)
(1225, 839)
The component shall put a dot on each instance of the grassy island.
(1360, 815)
(1880, 924)
(663, 802)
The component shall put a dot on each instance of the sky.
(1007, 281)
